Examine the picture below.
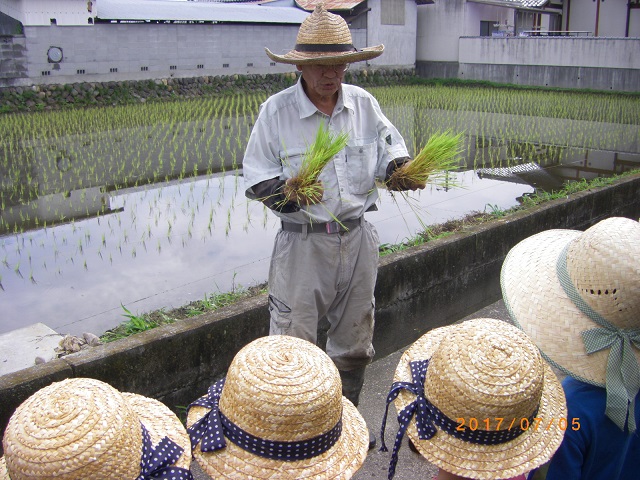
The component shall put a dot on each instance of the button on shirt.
(288, 122)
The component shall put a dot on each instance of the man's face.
(322, 80)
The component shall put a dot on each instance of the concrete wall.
(609, 22)
(108, 52)
(399, 40)
(13, 61)
(570, 62)
(418, 289)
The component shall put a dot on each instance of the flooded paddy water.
(143, 206)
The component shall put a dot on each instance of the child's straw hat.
(478, 400)
(577, 294)
(324, 39)
(279, 413)
(83, 428)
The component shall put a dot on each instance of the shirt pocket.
(361, 168)
(291, 160)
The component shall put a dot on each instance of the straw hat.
(462, 379)
(559, 284)
(325, 39)
(83, 428)
(280, 409)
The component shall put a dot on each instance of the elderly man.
(321, 267)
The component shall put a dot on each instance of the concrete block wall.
(418, 289)
(13, 61)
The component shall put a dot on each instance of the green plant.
(496, 211)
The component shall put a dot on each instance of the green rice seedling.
(324, 147)
(431, 165)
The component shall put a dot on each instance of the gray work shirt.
(288, 123)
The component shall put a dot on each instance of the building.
(570, 43)
(109, 40)
(565, 43)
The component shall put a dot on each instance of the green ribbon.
(623, 372)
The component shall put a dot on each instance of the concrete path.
(378, 380)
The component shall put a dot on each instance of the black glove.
(271, 193)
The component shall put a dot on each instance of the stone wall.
(49, 97)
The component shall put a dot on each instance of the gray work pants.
(332, 275)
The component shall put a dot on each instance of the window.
(113, 70)
(45, 73)
(487, 27)
(201, 66)
(392, 12)
(144, 69)
(225, 65)
(173, 67)
(80, 72)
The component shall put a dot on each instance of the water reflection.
(77, 243)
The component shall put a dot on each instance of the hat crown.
(485, 369)
(604, 266)
(76, 428)
(323, 27)
(282, 389)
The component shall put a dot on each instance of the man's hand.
(307, 195)
(400, 181)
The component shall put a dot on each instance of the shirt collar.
(306, 106)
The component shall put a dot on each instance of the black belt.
(330, 227)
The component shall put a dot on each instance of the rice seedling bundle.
(438, 157)
(304, 187)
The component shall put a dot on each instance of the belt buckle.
(332, 227)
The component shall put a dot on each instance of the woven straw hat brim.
(83, 428)
(326, 58)
(285, 389)
(526, 452)
(161, 422)
(539, 306)
(4, 475)
(339, 462)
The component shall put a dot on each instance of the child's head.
(279, 413)
(478, 400)
(83, 428)
(577, 295)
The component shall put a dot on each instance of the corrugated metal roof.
(197, 11)
(515, 3)
(331, 5)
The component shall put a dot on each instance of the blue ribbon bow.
(208, 429)
(158, 461)
(419, 407)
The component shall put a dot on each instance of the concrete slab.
(20, 348)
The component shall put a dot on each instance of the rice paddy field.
(143, 206)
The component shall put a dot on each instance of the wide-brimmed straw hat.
(279, 413)
(83, 428)
(324, 39)
(577, 294)
(478, 400)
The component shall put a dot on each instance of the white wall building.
(69, 41)
(584, 43)
(569, 43)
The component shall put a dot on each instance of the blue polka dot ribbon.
(428, 416)
(214, 428)
(157, 461)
